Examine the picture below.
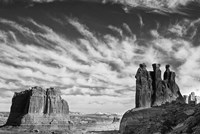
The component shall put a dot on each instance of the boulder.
(39, 108)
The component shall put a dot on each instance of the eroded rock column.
(157, 84)
(143, 87)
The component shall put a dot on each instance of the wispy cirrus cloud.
(95, 68)
(62, 66)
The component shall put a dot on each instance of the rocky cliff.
(39, 107)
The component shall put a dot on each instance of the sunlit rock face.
(39, 107)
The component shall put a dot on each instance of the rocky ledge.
(40, 108)
(170, 118)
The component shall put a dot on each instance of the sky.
(91, 50)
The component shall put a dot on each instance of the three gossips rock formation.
(151, 90)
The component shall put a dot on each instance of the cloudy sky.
(91, 50)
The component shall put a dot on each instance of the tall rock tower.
(157, 84)
(143, 87)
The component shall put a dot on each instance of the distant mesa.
(192, 99)
(38, 107)
(151, 90)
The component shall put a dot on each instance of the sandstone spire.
(143, 87)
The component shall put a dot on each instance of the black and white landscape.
(90, 51)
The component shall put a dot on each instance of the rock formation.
(164, 90)
(186, 98)
(192, 98)
(170, 118)
(39, 108)
(157, 84)
(166, 113)
(197, 99)
(151, 90)
(143, 87)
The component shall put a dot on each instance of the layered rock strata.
(39, 107)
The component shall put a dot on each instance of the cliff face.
(39, 107)
(47, 102)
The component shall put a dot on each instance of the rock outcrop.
(143, 87)
(167, 114)
(39, 108)
(170, 118)
(151, 90)
(192, 98)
